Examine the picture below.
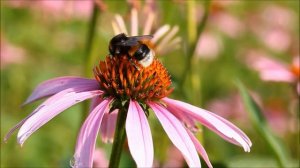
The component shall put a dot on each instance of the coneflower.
(123, 87)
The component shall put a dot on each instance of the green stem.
(119, 139)
(87, 54)
(192, 43)
(90, 39)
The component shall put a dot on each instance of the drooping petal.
(50, 109)
(108, 123)
(186, 119)
(108, 126)
(139, 135)
(210, 121)
(190, 123)
(88, 134)
(56, 85)
(245, 137)
(200, 149)
(95, 102)
(177, 134)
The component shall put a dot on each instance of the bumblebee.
(134, 47)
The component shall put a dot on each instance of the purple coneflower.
(122, 86)
(119, 83)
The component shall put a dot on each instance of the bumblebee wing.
(134, 40)
(143, 37)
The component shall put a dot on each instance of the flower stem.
(192, 40)
(119, 139)
(90, 38)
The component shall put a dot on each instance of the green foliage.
(259, 122)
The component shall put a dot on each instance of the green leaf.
(259, 122)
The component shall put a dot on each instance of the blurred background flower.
(100, 159)
(56, 9)
(274, 70)
(10, 54)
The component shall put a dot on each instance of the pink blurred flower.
(58, 8)
(10, 54)
(222, 19)
(99, 159)
(226, 22)
(208, 46)
(276, 39)
(271, 69)
(278, 118)
(277, 33)
(174, 158)
(285, 17)
(232, 107)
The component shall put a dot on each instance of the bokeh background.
(47, 38)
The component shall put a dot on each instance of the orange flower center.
(125, 79)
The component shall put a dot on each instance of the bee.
(134, 47)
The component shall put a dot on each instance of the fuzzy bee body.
(135, 47)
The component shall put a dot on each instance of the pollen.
(125, 78)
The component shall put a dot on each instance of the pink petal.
(271, 69)
(159, 33)
(108, 126)
(99, 158)
(214, 123)
(240, 132)
(139, 135)
(88, 134)
(47, 102)
(276, 75)
(177, 134)
(186, 119)
(121, 24)
(50, 109)
(167, 38)
(149, 23)
(56, 85)
(134, 22)
(200, 149)
(108, 123)
(95, 102)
